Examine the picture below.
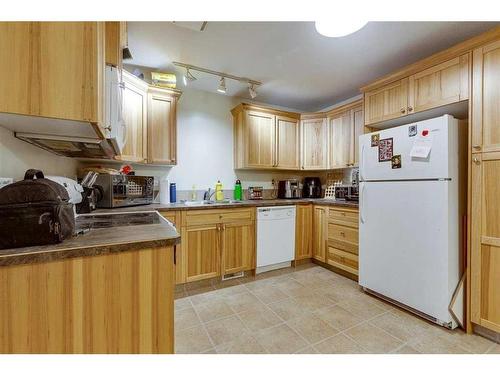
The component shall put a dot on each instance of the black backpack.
(34, 212)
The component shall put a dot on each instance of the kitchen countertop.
(245, 203)
(97, 241)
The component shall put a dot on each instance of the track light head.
(188, 77)
(252, 91)
(222, 86)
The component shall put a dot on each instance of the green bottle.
(237, 191)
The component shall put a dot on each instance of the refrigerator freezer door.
(408, 250)
(441, 162)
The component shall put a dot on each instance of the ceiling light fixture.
(252, 91)
(252, 85)
(188, 77)
(222, 86)
(339, 27)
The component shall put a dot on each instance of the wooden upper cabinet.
(260, 139)
(303, 232)
(116, 41)
(314, 134)
(135, 101)
(53, 69)
(265, 138)
(486, 98)
(288, 143)
(442, 84)
(162, 126)
(485, 240)
(341, 139)
(238, 247)
(359, 129)
(387, 102)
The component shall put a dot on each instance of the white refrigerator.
(411, 210)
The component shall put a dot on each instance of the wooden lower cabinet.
(485, 240)
(215, 243)
(303, 232)
(320, 232)
(201, 247)
(238, 247)
(114, 303)
(343, 238)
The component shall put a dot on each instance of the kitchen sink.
(200, 203)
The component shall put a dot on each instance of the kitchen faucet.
(208, 194)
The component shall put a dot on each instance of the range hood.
(61, 137)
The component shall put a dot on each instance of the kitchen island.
(109, 290)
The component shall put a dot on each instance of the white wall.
(17, 156)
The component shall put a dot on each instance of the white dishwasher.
(275, 237)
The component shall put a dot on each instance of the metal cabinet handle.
(476, 161)
(410, 108)
(403, 111)
(476, 147)
(342, 234)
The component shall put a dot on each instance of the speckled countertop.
(96, 242)
(246, 203)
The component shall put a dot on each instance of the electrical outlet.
(273, 182)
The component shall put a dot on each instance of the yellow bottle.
(219, 194)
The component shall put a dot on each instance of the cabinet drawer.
(344, 238)
(225, 215)
(344, 217)
(343, 260)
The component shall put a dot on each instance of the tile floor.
(304, 310)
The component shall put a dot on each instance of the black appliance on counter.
(347, 193)
(312, 187)
(288, 189)
(124, 190)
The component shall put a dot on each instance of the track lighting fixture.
(252, 85)
(188, 77)
(222, 86)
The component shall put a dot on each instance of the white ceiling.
(298, 67)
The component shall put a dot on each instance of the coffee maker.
(288, 189)
(312, 187)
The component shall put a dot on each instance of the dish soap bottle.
(237, 191)
(219, 195)
(194, 194)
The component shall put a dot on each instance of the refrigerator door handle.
(361, 217)
(362, 162)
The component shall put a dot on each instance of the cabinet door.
(387, 102)
(238, 247)
(52, 69)
(135, 118)
(314, 142)
(485, 240)
(201, 247)
(116, 41)
(260, 139)
(442, 84)
(320, 232)
(359, 129)
(341, 137)
(303, 232)
(288, 143)
(162, 128)
(486, 98)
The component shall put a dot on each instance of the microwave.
(76, 138)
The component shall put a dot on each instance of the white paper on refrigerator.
(422, 147)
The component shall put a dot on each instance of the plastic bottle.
(194, 194)
(219, 194)
(237, 191)
(173, 192)
(164, 191)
